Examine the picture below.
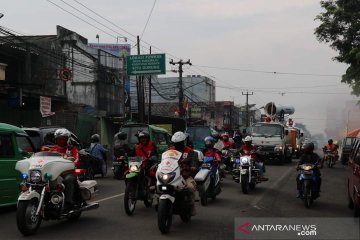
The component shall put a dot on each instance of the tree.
(340, 26)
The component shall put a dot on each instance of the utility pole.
(247, 107)
(181, 90)
(149, 107)
(139, 89)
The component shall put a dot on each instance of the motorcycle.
(42, 191)
(226, 156)
(208, 181)
(309, 184)
(246, 173)
(119, 167)
(174, 198)
(89, 166)
(137, 186)
(330, 158)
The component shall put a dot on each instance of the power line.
(148, 19)
(269, 72)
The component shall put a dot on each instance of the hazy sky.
(265, 35)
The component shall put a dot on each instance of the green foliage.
(340, 27)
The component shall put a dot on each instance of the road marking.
(256, 201)
(108, 198)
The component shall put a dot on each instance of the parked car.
(44, 137)
(353, 178)
(345, 148)
(197, 134)
(159, 136)
(15, 145)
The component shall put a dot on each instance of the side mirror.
(301, 134)
(26, 154)
(286, 132)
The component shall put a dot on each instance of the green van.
(15, 145)
(159, 136)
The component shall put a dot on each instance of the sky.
(262, 35)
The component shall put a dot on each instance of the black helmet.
(330, 141)
(121, 135)
(144, 134)
(95, 138)
(209, 142)
(215, 135)
(309, 147)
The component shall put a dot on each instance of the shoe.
(264, 179)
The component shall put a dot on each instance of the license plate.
(164, 188)
(308, 172)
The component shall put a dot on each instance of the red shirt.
(227, 144)
(331, 147)
(212, 153)
(144, 151)
(73, 152)
(245, 150)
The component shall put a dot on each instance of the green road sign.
(146, 64)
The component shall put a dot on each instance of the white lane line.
(276, 184)
(108, 198)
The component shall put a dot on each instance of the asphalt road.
(275, 198)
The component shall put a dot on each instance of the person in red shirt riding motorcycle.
(187, 163)
(333, 148)
(63, 146)
(148, 152)
(226, 140)
(210, 151)
(248, 149)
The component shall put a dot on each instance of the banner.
(45, 106)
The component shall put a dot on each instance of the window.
(24, 144)
(160, 138)
(6, 146)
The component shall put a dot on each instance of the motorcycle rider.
(225, 139)
(121, 148)
(218, 143)
(98, 151)
(312, 158)
(148, 152)
(187, 163)
(63, 146)
(210, 151)
(238, 142)
(332, 147)
(248, 149)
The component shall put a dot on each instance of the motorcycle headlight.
(165, 178)
(35, 176)
(244, 161)
(307, 168)
(133, 168)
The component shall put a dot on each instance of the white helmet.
(62, 132)
(248, 139)
(178, 137)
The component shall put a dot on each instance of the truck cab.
(271, 137)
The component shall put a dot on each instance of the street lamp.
(1, 15)
(98, 38)
(117, 39)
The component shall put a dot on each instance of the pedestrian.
(98, 151)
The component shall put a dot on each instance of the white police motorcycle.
(42, 196)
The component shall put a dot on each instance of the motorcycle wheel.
(27, 221)
(130, 198)
(164, 215)
(203, 198)
(307, 195)
(252, 185)
(90, 174)
(244, 184)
